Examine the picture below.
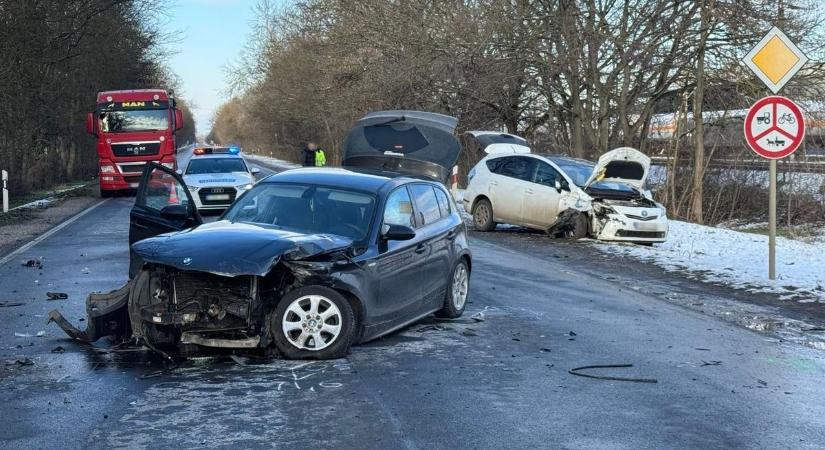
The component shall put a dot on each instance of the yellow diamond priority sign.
(775, 59)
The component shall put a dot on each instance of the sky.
(211, 35)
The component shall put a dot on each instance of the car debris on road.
(35, 263)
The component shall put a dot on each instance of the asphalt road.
(498, 383)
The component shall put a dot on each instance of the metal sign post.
(5, 191)
(772, 222)
(774, 126)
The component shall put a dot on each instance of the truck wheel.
(456, 298)
(483, 215)
(313, 322)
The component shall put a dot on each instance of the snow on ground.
(736, 258)
(44, 202)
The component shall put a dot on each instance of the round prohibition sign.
(774, 127)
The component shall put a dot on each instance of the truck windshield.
(133, 120)
(215, 165)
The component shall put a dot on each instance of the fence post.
(5, 191)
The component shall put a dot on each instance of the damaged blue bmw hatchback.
(307, 262)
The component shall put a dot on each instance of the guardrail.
(816, 164)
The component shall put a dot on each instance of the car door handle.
(421, 248)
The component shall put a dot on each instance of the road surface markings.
(49, 233)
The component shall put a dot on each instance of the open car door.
(163, 203)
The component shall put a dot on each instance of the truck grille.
(132, 168)
(136, 148)
(219, 302)
(206, 193)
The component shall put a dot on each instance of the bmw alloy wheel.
(459, 287)
(311, 322)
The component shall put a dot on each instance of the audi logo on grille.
(217, 190)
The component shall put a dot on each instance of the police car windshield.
(215, 165)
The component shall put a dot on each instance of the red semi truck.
(133, 127)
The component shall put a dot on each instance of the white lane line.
(46, 235)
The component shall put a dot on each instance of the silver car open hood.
(622, 165)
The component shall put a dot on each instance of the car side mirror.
(561, 186)
(90, 124)
(175, 212)
(397, 232)
(178, 119)
(254, 171)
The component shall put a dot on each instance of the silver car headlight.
(193, 188)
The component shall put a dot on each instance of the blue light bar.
(234, 150)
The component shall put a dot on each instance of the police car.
(217, 176)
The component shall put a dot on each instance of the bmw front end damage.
(171, 304)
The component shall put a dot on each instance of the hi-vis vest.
(320, 158)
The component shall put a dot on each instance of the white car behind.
(567, 196)
(217, 176)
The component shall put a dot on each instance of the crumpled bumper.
(617, 227)
(108, 315)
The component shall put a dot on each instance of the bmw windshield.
(306, 209)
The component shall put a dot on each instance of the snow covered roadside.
(55, 195)
(737, 259)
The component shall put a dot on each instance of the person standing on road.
(308, 155)
(320, 158)
(312, 156)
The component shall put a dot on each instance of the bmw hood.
(623, 165)
(233, 249)
(411, 142)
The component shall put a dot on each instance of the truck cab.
(132, 127)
